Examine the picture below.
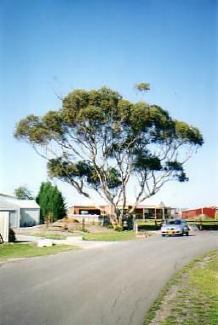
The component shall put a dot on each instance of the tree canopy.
(142, 86)
(99, 140)
(23, 193)
(51, 202)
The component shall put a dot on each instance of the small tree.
(59, 207)
(143, 86)
(23, 193)
(100, 141)
(51, 202)
(43, 200)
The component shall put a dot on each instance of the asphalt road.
(112, 285)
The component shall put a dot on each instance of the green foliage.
(118, 228)
(51, 202)
(188, 133)
(23, 193)
(142, 86)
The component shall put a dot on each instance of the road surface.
(112, 285)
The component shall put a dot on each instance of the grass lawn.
(49, 235)
(110, 236)
(190, 297)
(15, 250)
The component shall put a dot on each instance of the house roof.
(27, 204)
(140, 206)
(8, 202)
(5, 205)
(200, 208)
(7, 196)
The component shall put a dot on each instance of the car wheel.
(163, 235)
(187, 233)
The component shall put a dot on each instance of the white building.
(21, 213)
(4, 226)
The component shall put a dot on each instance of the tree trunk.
(115, 218)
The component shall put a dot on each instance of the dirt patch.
(64, 226)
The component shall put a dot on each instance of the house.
(21, 213)
(4, 226)
(210, 212)
(93, 213)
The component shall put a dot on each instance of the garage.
(21, 213)
(4, 226)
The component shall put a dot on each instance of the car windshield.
(173, 222)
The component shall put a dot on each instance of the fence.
(152, 224)
(204, 224)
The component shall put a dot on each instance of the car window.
(173, 222)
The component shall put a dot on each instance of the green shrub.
(118, 228)
(12, 237)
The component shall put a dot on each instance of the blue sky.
(49, 47)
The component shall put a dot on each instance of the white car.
(173, 227)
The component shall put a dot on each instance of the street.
(113, 285)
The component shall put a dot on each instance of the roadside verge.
(190, 297)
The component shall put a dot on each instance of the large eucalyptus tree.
(99, 140)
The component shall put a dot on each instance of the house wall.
(4, 225)
(210, 212)
(29, 217)
(86, 210)
(14, 218)
(140, 211)
(88, 219)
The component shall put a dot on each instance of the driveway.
(110, 285)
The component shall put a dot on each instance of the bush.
(118, 228)
(12, 237)
(149, 227)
